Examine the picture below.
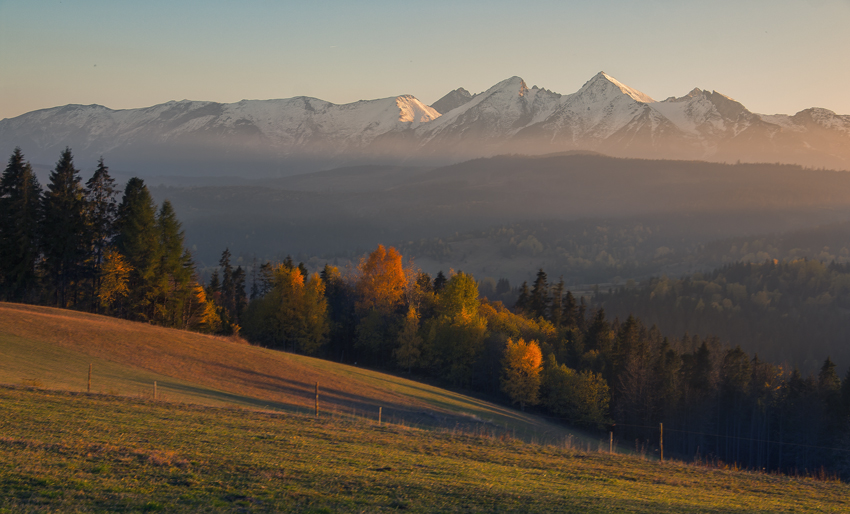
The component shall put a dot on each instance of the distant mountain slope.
(289, 136)
(452, 100)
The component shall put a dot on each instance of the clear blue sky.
(774, 56)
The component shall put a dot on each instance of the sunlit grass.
(78, 452)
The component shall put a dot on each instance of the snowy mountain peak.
(604, 83)
(604, 115)
(513, 85)
(411, 110)
(452, 100)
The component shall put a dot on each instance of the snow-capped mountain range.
(254, 137)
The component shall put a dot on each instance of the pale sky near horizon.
(774, 56)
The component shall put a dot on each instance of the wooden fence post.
(379, 415)
(317, 399)
(154, 389)
(611, 442)
(661, 441)
(88, 387)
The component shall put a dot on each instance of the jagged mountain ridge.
(298, 134)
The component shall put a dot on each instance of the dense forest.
(793, 311)
(81, 247)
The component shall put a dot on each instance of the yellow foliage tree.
(521, 367)
(293, 315)
(200, 312)
(114, 277)
(382, 280)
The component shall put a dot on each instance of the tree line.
(76, 246)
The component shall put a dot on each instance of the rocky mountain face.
(280, 137)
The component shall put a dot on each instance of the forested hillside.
(792, 312)
(79, 247)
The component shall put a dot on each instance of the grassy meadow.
(233, 430)
(52, 348)
(62, 451)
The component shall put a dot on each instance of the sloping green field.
(52, 349)
(233, 430)
(73, 452)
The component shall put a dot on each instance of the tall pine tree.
(20, 197)
(102, 211)
(139, 242)
(64, 231)
(174, 270)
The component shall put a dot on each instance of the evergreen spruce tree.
(569, 318)
(539, 302)
(64, 231)
(255, 284)
(138, 240)
(556, 311)
(228, 293)
(439, 281)
(20, 198)
(174, 269)
(102, 212)
(523, 303)
(214, 289)
(266, 278)
(240, 298)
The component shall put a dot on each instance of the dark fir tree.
(523, 303)
(20, 197)
(228, 293)
(439, 281)
(64, 231)
(138, 240)
(266, 278)
(539, 301)
(102, 211)
(255, 283)
(240, 298)
(556, 311)
(569, 318)
(174, 269)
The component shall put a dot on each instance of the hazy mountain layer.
(284, 137)
(696, 201)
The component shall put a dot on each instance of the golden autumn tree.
(380, 289)
(114, 278)
(521, 367)
(200, 312)
(382, 281)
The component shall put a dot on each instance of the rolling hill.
(53, 348)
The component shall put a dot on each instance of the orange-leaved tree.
(382, 281)
(521, 367)
(380, 290)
